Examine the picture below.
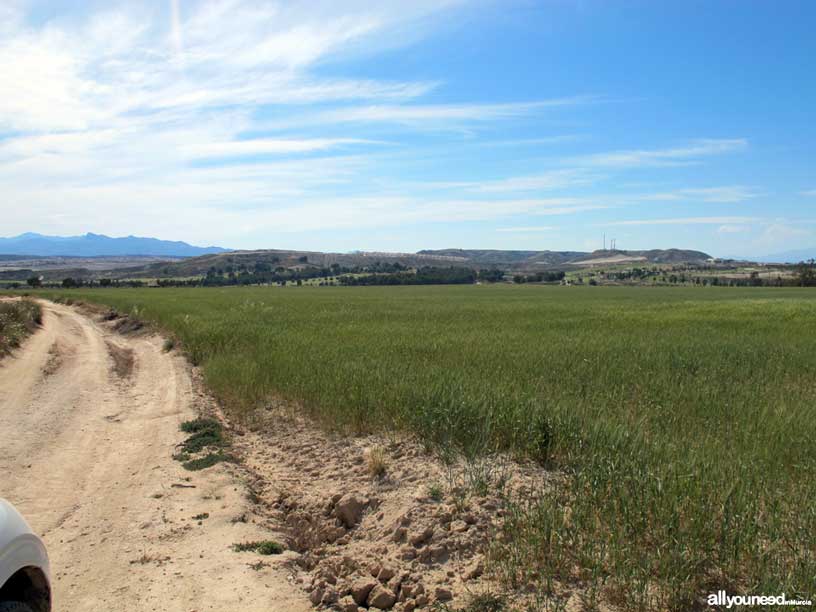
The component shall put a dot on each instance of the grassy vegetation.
(683, 418)
(206, 440)
(262, 547)
(18, 318)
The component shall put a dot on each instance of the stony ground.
(378, 524)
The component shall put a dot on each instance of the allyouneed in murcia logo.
(723, 599)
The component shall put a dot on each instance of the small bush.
(540, 438)
(376, 461)
(17, 320)
(205, 434)
(206, 438)
(199, 424)
(484, 602)
(206, 461)
(169, 345)
(262, 547)
(435, 492)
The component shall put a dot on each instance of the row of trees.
(72, 283)
(806, 273)
(803, 275)
(539, 277)
(423, 276)
(397, 274)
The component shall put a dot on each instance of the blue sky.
(397, 126)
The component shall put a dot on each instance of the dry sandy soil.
(89, 422)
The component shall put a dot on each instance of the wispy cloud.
(677, 156)
(545, 181)
(809, 193)
(781, 232)
(214, 119)
(529, 228)
(733, 229)
(268, 146)
(686, 221)
(727, 194)
(447, 116)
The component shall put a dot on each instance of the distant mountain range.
(97, 245)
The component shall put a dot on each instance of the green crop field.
(684, 419)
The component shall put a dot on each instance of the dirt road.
(88, 423)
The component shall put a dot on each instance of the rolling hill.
(223, 262)
(555, 258)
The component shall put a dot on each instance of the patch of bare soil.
(122, 359)
(55, 356)
(379, 524)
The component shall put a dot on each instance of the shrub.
(376, 461)
(18, 319)
(262, 547)
(206, 461)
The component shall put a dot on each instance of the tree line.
(397, 274)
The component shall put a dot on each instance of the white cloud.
(125, 62)
(142, 119)
(555, 179)
(688, 221)
(780, 233)
(810, 193)
(266, 146)
(733, 229)
(427, 115)
(728, 194)
(524, 229)
(678, 156)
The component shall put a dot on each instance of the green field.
(683, 418)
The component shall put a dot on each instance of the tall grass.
(684, 419)
(18, 318)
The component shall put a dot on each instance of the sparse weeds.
(206, 461)
(146, 558)
(205, 435)
(482, 602)
(205, 438)
(376, 461)
(262, 547)
(435, 492)
(258, 565)
(18, 318)
(200, 424)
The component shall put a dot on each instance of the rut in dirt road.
(89, 420)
